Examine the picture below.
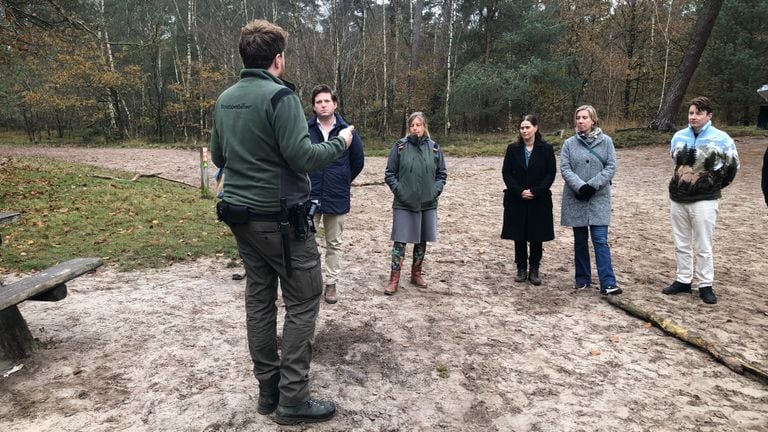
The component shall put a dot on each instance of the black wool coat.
(529, 220)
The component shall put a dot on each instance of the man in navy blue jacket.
(331, 185)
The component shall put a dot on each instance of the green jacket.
(416, 173)
(260, 138)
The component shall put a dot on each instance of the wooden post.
(16, 341)
(205, 190)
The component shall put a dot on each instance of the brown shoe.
(394, 281)
(330, 294)
(416, 278)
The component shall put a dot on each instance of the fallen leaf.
(614, 338)
(595, 352)
(647, 325)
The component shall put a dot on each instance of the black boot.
(522, 275)
(708, 295)
(269, 396)
(311, 411)
(533, 276)
(677, 288)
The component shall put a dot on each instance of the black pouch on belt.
(231, 214)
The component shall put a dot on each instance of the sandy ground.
(165, 350)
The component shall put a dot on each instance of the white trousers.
(333, 225)
(693, 225)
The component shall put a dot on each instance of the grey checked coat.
(579, 166)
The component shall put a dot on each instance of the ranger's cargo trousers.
(260, 246)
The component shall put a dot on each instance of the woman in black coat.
(529, 171)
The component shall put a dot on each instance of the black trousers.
(522, 259)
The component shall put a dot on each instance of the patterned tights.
(398, 253)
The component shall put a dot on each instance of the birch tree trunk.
(385, 61)
(667, 46)
(353, 90)
(336, 32)
(414, 59)
(201, 95)
(115, 103)
(449, 68)
(186, 116)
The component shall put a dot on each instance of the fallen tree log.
(138, 176)
(733, 361)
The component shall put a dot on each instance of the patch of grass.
(68, 213)
(743, 131)
(624, 138)
(442, 370)
(14, 138)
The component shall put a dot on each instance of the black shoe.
(533, 276)
(269, 395)
(677, 288)
(708, 295)
(311, 411)
(522, 275)
(581, 286)
(610, 290)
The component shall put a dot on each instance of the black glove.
(413, 139)
(586, 192)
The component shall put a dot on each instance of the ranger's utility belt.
(299, 216)
(235, 214)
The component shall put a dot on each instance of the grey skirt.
(414, 227)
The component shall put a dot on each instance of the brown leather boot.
(394, 281)
(416, 278)
(330, 294)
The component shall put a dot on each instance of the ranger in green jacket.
(260, 139)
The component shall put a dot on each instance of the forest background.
(102, 71)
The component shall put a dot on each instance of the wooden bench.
(16, 341)
(8, 217)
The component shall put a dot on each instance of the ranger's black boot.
(269, 396)
(311, 411)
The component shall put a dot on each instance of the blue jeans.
(602, 255)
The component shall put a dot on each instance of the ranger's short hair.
(260, 42)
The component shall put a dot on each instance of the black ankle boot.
(269, 396)
(708, 295)
(522, 275)
(677, 288)
(533, 276)
(311, 411)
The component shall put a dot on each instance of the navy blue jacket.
(331, 185)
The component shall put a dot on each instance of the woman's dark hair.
(532, 119)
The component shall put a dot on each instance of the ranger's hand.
(346, 133)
